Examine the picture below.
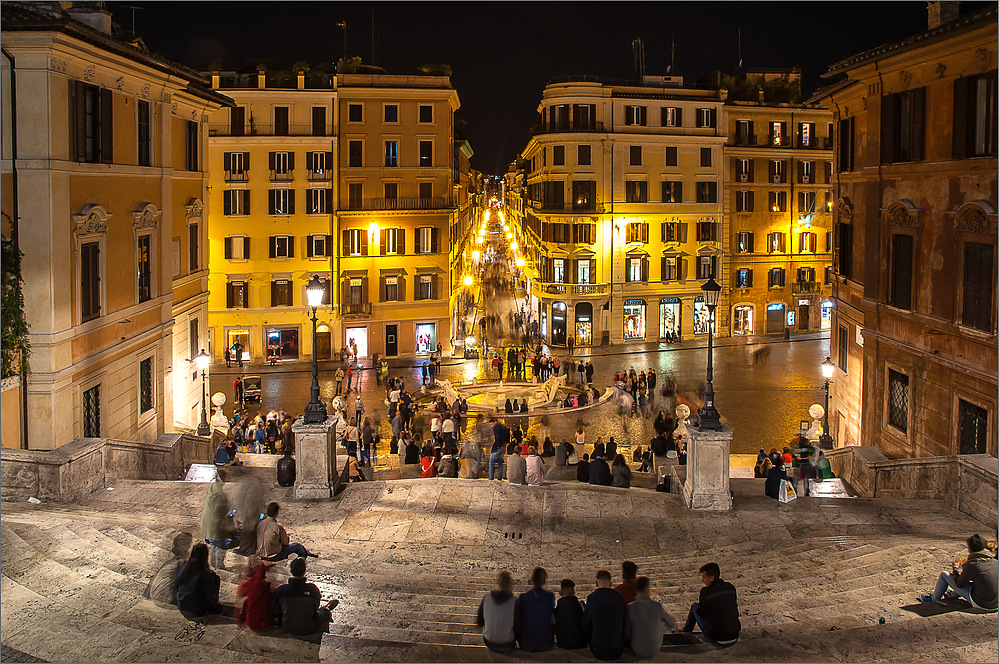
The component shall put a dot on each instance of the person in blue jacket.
(534, 617)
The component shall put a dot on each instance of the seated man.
(272, 539)
(647, 618)
(286, 468)
(296, 605)
(569, 617)
(516, 468)
(605, 619)
(717, 611)
(976, 581)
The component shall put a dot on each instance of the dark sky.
(503, 53)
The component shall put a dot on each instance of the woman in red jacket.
(254, 596)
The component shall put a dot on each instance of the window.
(706, 117)
(778, 201)
(845, 151)
(744, 278)
(281, 121)
(671, 116)
(707, 192)
(144, 266)
(281, 293)
(391, 289)
(281, 164)
(355, 195)
(355, 242)
(582, 117)
(674, 231)
(558, 270)
(391, 153)
(775, 243)
(193, 341)
(92, 412)
(829, 241)
(237, 121)
(192, 146)
(776, 171)
(845, 255)
(778, 134)
(317, 201)
(355, 113)
(355, 154)
(975, 116)
(281, 201)
(426, 113)
(318, 120)
(193, 242)
(281, 246)
(425, 289)
(807, 243)
(90, 280)
(236, 164)
(671, 268)
(973, 422)
(583, 155)
(143, 134)
(146, 385)
(829, 200)
(898, 400)
(806, 172)
(237, 248)
(584, 196)
(671, 156)
(900, 284)
(391, 113)
(806, 134)
(827, 174)
(426, 240)
(775, 278)
(585, 271)
(744, 201)
(672, 191)
(636, 191)
(744, 134)
(746, 242)
(426, 190)
(637, 232)
(806, 275)
(426, 153)
(393, 241)
(902, 126)
(236, 295)
(558, 155)
(977, 289)
(93, 120)
(319, 165)
(236, 202)
(744, 170)
(635, 154)
(705, 267)
(583, 233)
(827, 275)
(705, 157)
(843, 344)
(806, 202)
(707, 231)
(635, 115)
(391, 190)
(636, 269)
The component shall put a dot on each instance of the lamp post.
(709, 417)
(315, 412)
(202, 361)
(825, 440)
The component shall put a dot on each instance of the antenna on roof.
(672, 55)
(638, 50)
(133, 8)
(738, 41)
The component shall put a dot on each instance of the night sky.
(503, 54)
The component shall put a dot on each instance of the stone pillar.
(315, 459)
(707, 485)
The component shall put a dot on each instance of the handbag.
(787, 492)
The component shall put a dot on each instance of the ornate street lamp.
(709, 417)
(202, 361)
(825, 440)
(315, 412)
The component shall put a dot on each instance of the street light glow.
(468, 281)
(476, 255)
(827, 368)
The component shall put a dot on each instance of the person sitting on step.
(516, 467)
(534, 615)
(569, 617)
(273, 543)
(647, 617)
(296, 605)
(197, 585)
(974, 578)
(717, 610)
(496, 615)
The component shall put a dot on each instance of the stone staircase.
(410, 560)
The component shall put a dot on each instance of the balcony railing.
(434, 203)
(566, 127)
(568, 206)
(805, 287)
(357, 310)
(744, 139)
(236, 177)
(572, 290)
(266, 130)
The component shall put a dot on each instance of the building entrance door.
(391, 340)
(324, 343)
(803, 317)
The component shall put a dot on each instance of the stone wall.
(966, 483)
(81, 467)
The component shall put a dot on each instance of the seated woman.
(508, 407)
(197, 585)
(571, 456)
(620, 472)
(253, 597)
(523, 405)
(428, 466)
(636, 456)
(535, 468)
(547, 448)
(774, 476)
(354, 473)
(412, 452)
(516, 406)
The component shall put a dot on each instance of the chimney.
(261, 78)
(94, 14)
(939, 13)
(301, 80)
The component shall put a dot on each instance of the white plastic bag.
(787, 492)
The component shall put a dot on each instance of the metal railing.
(266, 130)
(572, 290)
(360, 309)
(566, 127)
(434, 203)
(806, 287)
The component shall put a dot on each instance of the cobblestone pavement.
(8, 654)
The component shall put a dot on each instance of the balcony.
(566, 127)
(320, 176)
(806, 287)
(359, 310)
(570, 290)
(230, 176)
(265, 130)
(744, 139)
(434, 203)
(568, 206)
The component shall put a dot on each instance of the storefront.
(827, 308)
(558, 324)
(240, 335)
(670, 317)
(282, 343)
(355, 340)
(426, 338)
(742, 320)
(804, 314)
(775, 318)
(584, 324)
(634, 319)
(701, 316)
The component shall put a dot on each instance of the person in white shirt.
(435, 427)
(647, 618)
(447, 428)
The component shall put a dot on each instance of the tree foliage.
(14, 345)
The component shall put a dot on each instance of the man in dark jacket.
(569, 618)
(772, 485)
(296, 605)
(605, 619)
(501, 438)
(977, 581)
(717, 611)
(286, 469)
(599, 472)
(534, 616)
(583, 469)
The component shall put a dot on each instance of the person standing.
(358, 408)
(237, 390)
(350, 376)
(338, 377)
(534, 615)
(605, 619)
(425, 372)
(589, 372)
(237, 353)
(717, 610)
(571, 344)
(646, 618)
(581, 370)
(501, 438)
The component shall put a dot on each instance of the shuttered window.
(93, 122)
(975, 116)
(900, 286)
(902, 128)
(977, 288)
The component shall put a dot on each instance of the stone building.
(104, 154)
(914, 319)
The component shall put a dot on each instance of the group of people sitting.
(779, 466)
(610, 621)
